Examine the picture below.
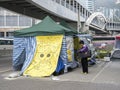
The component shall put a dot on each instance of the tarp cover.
(65, 24)
(18, 53)
(23, 52)
(116, 54)
(70, 48)
(118, 37)
(46, 56)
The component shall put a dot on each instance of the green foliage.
(102, 55)
(103, 52)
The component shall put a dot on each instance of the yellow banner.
(46, 56)
(70, 48)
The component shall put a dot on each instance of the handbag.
(85, 54)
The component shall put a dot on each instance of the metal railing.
(75, 7)
(113, 26)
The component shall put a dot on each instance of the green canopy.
(46, 27)
(63, 23)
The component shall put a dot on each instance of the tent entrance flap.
(46, 56)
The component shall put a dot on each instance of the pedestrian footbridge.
(68, 10)
(40, 8)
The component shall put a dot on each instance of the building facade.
(10, 21)
(88, 4)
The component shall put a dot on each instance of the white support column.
(69, 4)
(18, 20)
(60, 2)
(85, 13)
(73, 5)
(76, 7)
(32, 21)
(80, 7)
(5, 34)
(78, 23)
(65, 3)
(4, 23)
(4, 18)
(82, 11)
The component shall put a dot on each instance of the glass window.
(9, 42)
(2, 42)
(6, 42)
(1, 20)
(11, 20)
(9, 34)
(24, 21)
(1, 34)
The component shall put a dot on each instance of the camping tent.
(31, 45)
(70, 44)
(65, 24)
(115, 54)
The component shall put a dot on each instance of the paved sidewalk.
(102, 76)
(77, 75)
(102, 72)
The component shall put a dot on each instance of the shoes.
(82, 72)
(85, 72)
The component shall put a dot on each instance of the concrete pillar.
(60, 2)
(33, 21)
(85, 13)
(4, 18)
(18, 20)
(82, 11)
(73, 4)
(78, 23)
(65, 3)
(76, 7)
(69, 4)
(5, 35)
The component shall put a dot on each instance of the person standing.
(83, 50)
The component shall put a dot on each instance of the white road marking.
(100, 71)
(101, 65)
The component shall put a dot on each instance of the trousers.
(84, 63)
